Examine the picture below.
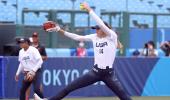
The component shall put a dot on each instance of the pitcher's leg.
(80, 82)
(116, 87)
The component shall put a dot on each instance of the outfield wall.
(139, 76)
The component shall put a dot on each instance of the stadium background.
(137, 22)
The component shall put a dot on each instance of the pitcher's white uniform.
(104, 56)
(104, 48)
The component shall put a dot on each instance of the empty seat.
(51, 52)
(63, 52)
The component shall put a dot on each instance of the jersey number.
(101, 51)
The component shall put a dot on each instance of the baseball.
(81, 7)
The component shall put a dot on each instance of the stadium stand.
(129, 52)
(11, 12)
(11, 9)
(67, 52)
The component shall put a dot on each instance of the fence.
(139, 76)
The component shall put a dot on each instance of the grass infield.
(111, 98)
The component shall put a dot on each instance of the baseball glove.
(30, 76)
(51, 26)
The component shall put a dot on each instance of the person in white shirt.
(30, 64)
(149, 50)
(36, 43)
(105, 44)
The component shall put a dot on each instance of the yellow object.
(81, 7)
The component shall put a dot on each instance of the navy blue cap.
(24, 40)
(97, 26)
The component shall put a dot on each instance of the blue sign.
(135, 74)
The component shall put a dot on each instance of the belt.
(107, 70)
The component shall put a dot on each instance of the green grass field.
(110, 98)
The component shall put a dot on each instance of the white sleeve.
(77, 37)
(38, 65)
(19, 57)
(38, 60)
(156, 52)
(20, 69)
(102, 25)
